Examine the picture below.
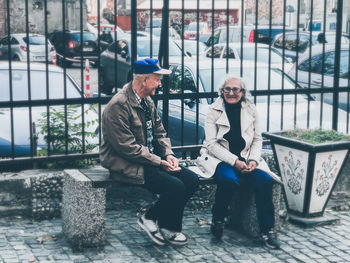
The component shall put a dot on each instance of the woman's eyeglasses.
(234, 90)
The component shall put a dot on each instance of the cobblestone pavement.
(24, 240)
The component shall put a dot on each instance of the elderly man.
(136, 150)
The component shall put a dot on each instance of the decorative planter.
(309, 173)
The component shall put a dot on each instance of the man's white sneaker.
(151, 228)
(175, 238)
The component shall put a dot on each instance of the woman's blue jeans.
(229, 180)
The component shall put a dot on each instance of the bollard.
(87, 78)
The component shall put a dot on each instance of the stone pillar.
(83, 211)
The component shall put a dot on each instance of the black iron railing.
(38, 147)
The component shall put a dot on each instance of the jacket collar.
(132, 97)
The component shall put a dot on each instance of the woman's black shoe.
(217, 228)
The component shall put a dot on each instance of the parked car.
(250, 34)
(116, 60)
(19, 48)
(156, 23)
(234, 52)
(317, 68)
(290, 42)
(21, 127)
(69, 48)
(190, 47)
(273, 106)
(191, 30)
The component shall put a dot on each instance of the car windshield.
(35, 40)
(191, 46)
(155, 23)
(263, 55)
(38, 85)
(86, 36)
(143, 48)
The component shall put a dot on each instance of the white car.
(19, 48)
(219, 51)
(304, 109)
(323, 64)
(21, 120)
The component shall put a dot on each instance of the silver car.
(271, 110)
(19, 48)
(317, 68)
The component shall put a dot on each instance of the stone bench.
(84, 205)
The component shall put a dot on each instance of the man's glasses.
(234, 90)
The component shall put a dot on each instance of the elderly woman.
(231, 153)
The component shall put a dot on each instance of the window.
(35, 40)
(231, 54)
(86, 36)
(217, 52)
(175, 80)
(14, 41)
(291, 42)
(279, 42)
(316, 64)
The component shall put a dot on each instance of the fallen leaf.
(45, 238)
(201, 222)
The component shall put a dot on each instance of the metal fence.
(39, 125)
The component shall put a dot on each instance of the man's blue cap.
(148, 66)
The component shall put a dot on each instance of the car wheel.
(16, 58)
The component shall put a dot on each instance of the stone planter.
(309, 173)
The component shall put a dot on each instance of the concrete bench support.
(243, 210)
(83, 211)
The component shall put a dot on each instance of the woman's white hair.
(246, 93)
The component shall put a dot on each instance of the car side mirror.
(124, 54)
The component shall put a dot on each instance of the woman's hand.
(250, 167)
(240, 166)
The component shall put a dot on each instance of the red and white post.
(54, 60)
(87, 78)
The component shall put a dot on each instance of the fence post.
(337, 64)
(87, 78)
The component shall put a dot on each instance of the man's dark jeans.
(228, 180)
(174, 189)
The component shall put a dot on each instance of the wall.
(36, 16)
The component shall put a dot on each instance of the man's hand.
(251, 167)
(168, 166)
(172, 160)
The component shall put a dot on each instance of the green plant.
(315, 136)
(57, 139)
